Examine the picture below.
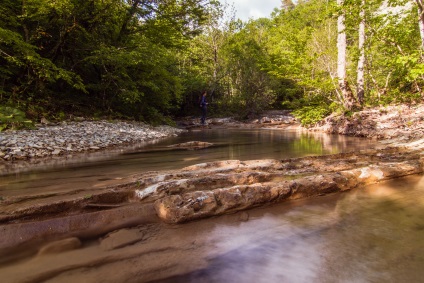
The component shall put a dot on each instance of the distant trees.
(378, 52)
(148, 60)
(95, 57)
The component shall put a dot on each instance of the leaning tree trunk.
(349, 100)
(361, 60)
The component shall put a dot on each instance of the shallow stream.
(373, 234)
(111, 167)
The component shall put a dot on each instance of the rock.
(121, 238)
(192, 145)
(176, 208)
(60, 246)
(238, 185)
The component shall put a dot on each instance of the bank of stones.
(68, 138)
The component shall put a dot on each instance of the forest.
(150, 60)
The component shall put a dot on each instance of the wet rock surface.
(256, 183)
(192, 145)
(199, 191)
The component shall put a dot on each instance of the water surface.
(375, 234)
(99, 169)
(372, 234)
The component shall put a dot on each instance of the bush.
(12, 118)
(310, 115)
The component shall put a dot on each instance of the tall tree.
(360, 80)
(420, 4)
(349, 100)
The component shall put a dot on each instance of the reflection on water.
(370, 235)
(102, 169)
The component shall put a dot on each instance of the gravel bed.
(67, 138)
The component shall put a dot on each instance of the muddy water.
(101, 169)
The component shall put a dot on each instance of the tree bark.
(130, 13)
(361, 60)
(420, 5)
(349, 100)
(24, 26)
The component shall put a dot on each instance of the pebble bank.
(67, 138)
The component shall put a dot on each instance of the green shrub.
(12, 118)
(310, 115)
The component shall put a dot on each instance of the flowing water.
(105, 168)
(374, 234)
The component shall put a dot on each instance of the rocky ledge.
(395, 123)
(234, 185)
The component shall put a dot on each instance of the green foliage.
(253, 88)
(150, 60)
(310, 115)
(112, 57)
(11, 118)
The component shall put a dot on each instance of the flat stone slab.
(201, 204)
(192, 145)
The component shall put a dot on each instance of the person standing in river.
(203, 108)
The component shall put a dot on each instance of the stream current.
(374, 234)
(111, 167)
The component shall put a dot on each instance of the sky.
(246, 9)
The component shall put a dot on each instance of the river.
(111, 167)
(372, 234)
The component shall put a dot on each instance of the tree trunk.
(24, 26)
(361, 59)
(421, 20)
(349, 100)
(130, 14)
